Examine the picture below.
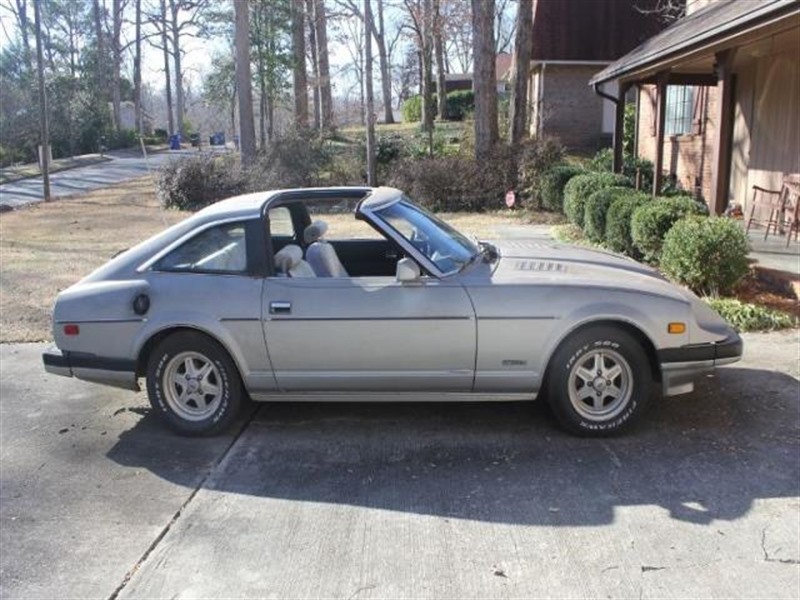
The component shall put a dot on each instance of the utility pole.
(371, 166)
(45, 129)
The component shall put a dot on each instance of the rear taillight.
(72, 329)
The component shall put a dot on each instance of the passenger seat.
(289, 261)
(320, 254)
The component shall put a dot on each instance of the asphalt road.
(399, 500)
(123, 166)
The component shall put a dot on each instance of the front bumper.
(117, 372)
(680, 366)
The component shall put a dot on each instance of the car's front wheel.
(193, 384)
(599, 382)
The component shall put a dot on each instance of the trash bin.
(194, 138)
(175, 141)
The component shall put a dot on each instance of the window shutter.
(697, 109)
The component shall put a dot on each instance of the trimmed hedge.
(459, 104)
(580, 187)
(552, 186)
(709, 255)
(618, 223)
(651, 222)
(595, 210)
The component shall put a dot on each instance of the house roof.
(590, 30)
(695, 31)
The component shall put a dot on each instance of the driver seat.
(320, 254)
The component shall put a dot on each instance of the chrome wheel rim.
(600, 384)
(192, 386)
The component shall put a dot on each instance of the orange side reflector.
(676, 328)
(72, 329)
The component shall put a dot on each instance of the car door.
(369, 334)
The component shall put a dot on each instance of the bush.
(194, 182)
(580, 187)
(295, 160)
(412, 109)
(709, 255)
(534, 158)
(595, 209)
(603, 161)
(459, 104)
(651, 222)
(743, 316)
(552, 186)
(618, 223)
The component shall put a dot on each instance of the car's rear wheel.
(193, 384)
(599, 382)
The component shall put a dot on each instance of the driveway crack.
(115, 594)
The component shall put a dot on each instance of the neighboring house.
(718, 98)
(572, 40)
(463, 81)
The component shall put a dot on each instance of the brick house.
(718, 98)
(571, 41)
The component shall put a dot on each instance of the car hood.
(563, 264)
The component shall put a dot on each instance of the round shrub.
(618, 223)
(580, 187)
(194, 182)
(412, 109)
(651, 222)
(552, 186)
(709, 255)
(595, 209)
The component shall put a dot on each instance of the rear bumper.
(680, 366)
(117, 372)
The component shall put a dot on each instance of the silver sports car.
(248, 297)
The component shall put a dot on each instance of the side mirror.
(407, 271)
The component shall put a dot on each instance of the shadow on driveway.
(701, 457)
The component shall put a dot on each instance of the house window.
(678, 117)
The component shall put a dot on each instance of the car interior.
(302, 248)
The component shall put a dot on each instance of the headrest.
(315, 231)
(288, 257)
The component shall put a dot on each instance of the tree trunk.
(522, 64)
(386, 68)
(167, 78)
(441, 86)
(98, 32)
(180, 103)
(247, 133)
(426, 49)
(137, 71)
(312, 43)
(116, 50)
(299, 56)
(44, 125)
(22, 20)
(325, 95)
(371, 164)
(484, 77)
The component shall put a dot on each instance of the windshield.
(448, 249)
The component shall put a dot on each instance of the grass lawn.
(45, 248)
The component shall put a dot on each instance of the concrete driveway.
(399, 500)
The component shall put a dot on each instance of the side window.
(280, 222)
(220, 249)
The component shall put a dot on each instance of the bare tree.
(505, 26)
(323, 65)
(118, 6)
(371, 165)
(667, 11)
(312, 48)
(438, 49)
(247, 132)
(299, 68)
(486, 134)
(522, 65)
(167, 78)
(137, 68)
(45, 133)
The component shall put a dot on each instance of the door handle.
(391, 254)
(280, 308)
